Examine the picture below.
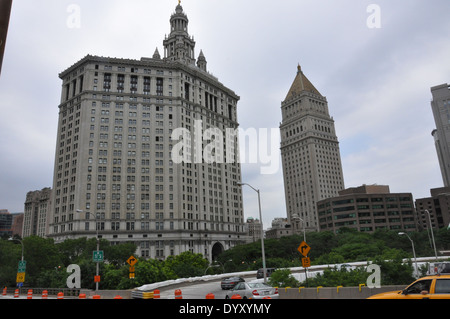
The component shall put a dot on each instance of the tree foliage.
(47, 262)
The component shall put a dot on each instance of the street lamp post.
(414, 251)
(14, 239)
(304, 229)
(432, 234)
(262, 229)
(98, 244)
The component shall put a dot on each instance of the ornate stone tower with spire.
(179, 45)
(310, 153)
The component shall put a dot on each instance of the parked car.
(229, 283)
(430, 287)
(260, 272)
(253, 290)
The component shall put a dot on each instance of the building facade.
(37, 213)
(140, 152)
(254, 227)
(366, 209)
(311, 159)
(5, 12)
(6, 222)
(440, 106)
(17, 226)
(438, 207)
(280, 228)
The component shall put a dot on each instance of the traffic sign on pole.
(20, 277)
(22, 266)
(132, 261)
(306, 262)
(304, 249)
(97, 256)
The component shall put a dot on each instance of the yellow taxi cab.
(430, 287)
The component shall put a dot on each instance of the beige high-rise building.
(37, 213)
(440, 106)
(141, 148)
(310, 153)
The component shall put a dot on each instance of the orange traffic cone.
(30, 294)
(16, 293)
(82, 296)
(210, 296)
(117, 297)
(60, 296)
(45, 294)
(156, 294)
(178, 294)
(236, 297)
(5, 291)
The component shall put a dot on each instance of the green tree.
(393, 270)
(330, 258)
(151, 271)
(119, 254)
(10, 254)
(187, 264)
(333, 277)
(282, 278)
(40, 255)
(116, 277)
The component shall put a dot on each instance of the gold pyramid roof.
(301, 83)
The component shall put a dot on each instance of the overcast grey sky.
(377, 80)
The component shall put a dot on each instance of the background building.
(5, 12)
(17, 226)
(441, 112)
(116, 164)
(438, 205)
(37, 213)
(367, 208)
(254, 227)
(6, 221)
(280, 228)
(311, 159)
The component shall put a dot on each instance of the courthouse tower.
(440, 106)
(114, 168)
(310, 153)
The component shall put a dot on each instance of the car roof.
(435, 276)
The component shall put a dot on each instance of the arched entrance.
(217, 250)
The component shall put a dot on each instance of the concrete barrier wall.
(334, 293)
(110, 294)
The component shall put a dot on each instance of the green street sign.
(97, 256)
(22, 266)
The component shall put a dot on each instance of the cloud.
(376, 80)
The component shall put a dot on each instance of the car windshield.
(258, 285)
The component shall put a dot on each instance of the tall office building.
(310, 153)
(5, 12)
(118, 156)
(441, 111)
(36, 214)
